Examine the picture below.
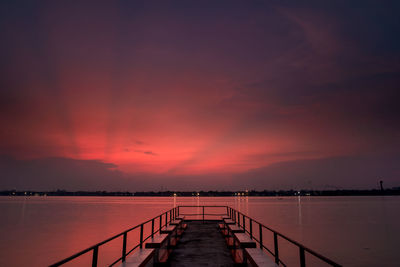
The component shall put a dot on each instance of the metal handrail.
(174, 212)
(235, 215)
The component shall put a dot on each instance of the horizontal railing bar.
(71, 257)
(189, 206)
(135, 247)
(209, 214)
(115, 262)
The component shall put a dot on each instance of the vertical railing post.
(141, 236)
(170, 215)
(203, 214)
(227, 211)
(124, 247)
(160, 223)
(166, 218)
(251, 228)
(152, 228)
(276, 248)
(178, 210)
(302, 257)
(238, 218)
(95, 256)
(260, 234)
(244, 223)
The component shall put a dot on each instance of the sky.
(199, 95)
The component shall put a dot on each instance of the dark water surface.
(354, 231)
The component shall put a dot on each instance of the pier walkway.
(201, 245)
(176, 238)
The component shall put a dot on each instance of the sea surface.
(353, 231)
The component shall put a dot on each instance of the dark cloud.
(357, 172)
(147, 152)
(58, 173)
(138, 142)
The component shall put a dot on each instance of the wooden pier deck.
(201, 245)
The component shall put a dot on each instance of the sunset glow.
(201, 97)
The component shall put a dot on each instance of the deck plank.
(202, 245)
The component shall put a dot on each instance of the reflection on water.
(355, 231)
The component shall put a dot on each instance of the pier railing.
(249, 225)
(255, 229)
(153, 226)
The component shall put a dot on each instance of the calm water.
(354, 231)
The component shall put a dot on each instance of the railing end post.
(141, 236)
(302, 257)
(124, 247)
(95, 256)
(276, 248)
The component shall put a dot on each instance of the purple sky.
(227, 95)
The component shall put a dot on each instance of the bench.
(181, 226)
(181, 229)
(225, 217)
(176, 222)
(161, 243)
(230, 230)
(229, 221)
(223, 229)
(257, 257)
(157, 241)
(140, 258)
(233, 228)
(180, 218)
(244, 241)
(168, 229)
(238, 242)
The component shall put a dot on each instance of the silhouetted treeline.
(341, 192)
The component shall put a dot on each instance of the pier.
(201, 236)
(201, 245)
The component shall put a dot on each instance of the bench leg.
(156, 255)
(244, 258)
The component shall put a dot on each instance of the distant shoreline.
(266, 193)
